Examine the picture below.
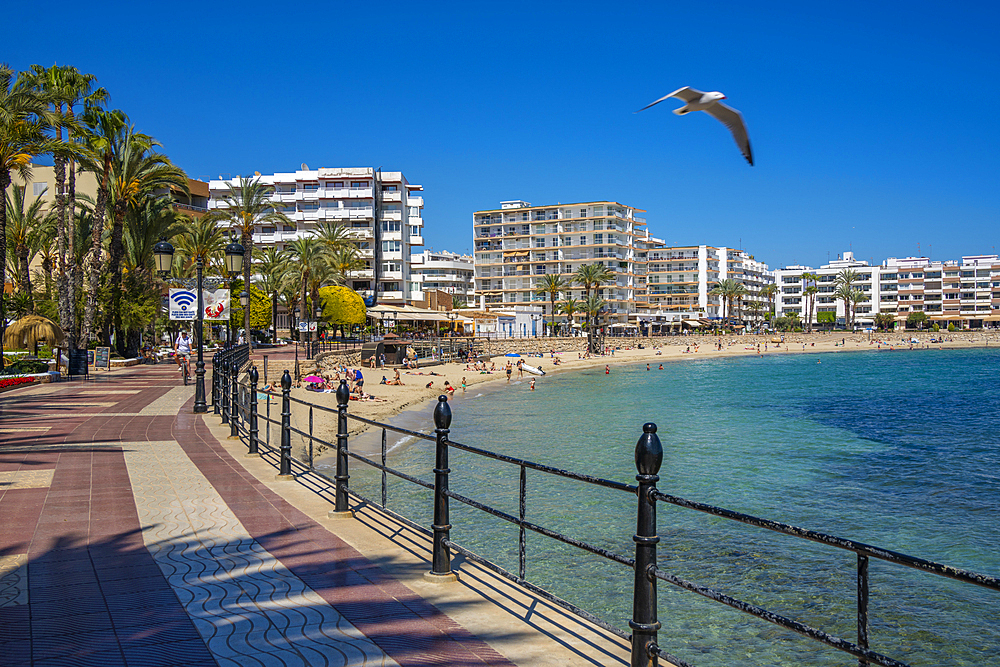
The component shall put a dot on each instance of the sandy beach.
(414, 392)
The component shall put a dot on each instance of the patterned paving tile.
(26, 479)
(247, 606)
(13, 580)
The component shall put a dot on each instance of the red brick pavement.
(96, 595)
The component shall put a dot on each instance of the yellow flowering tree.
(342, 306)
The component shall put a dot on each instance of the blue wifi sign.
(183, 304)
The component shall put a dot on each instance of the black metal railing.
(648, 457)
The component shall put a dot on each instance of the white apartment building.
(680, 280)
(517, 244)
(445, 271)
(965, 292)
(347, 196)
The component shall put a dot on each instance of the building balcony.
(392, 196)
(392, 215)
(416, 240)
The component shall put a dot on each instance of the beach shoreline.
(415, 395)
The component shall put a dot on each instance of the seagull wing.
(687, 94)
(732, 119)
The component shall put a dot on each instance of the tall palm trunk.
(4, 184)
(62, 236)
(25, 277)
(75, 270)
(94, 279)
(115, 272)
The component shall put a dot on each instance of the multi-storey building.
(517, 244)
(445, 271)
(680, 281)
(966, 292)
(347, 196)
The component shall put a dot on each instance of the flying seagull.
(710, 104)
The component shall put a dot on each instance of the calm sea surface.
(900, 450)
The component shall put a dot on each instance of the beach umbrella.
(313, 378)
(32, 329)
(512, 354)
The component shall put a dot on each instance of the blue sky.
(873, 124)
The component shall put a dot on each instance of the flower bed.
(7, 383)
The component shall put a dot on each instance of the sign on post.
(183, 304)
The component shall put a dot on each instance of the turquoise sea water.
(897, 449)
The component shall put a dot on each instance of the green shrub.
(951, 326)
(936, 327)
(26, 367)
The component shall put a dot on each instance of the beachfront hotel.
(517, 244)
(347, 196)
(679, 281)
(965, 293)
(445, 271)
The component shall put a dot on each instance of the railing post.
(340, 509)
(234, 402)
(648, 457)
(224, 389)
(285, 467)
(254, 377)
(441, 558)
(215, 383)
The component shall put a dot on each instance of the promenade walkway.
(132, 533)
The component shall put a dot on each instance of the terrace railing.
(644, 623)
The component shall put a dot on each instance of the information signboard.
(78, 362)
(103, 358)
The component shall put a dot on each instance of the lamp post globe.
(244, 298)
(234, 258)
(163, 253)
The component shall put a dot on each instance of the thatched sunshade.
(32, 329)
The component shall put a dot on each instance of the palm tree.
(343, 261)
(769, 292)
(201, 237)
(103, 137)
(845, 282)
(755, 307)
(25, 226)
(592, 276)
(23, 121)
(246, 206)
(335, 236)
(306, 256)
(845, 294)
(857, 296)
(551, 285)
(271, 266)
(728, 290)
(569, 308)
(809, 292)
(592, 306)
(137, 171)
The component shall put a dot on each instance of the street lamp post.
(163, 253)
(297, 340)
(535, 317)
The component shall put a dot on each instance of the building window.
(389, 188)
(288, 228)
(540, 243)
(598, 239)
(309, 206)
(392, 246)
(583, 240)
(391, 226)
(359, 184)
(39, 189)
(336, 185)
(310, 187)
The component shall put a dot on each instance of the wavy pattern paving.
(247, 606)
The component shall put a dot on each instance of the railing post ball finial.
(343, 393)
(254, 375)
(286, 381)
(442, 413)
(648, 451)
